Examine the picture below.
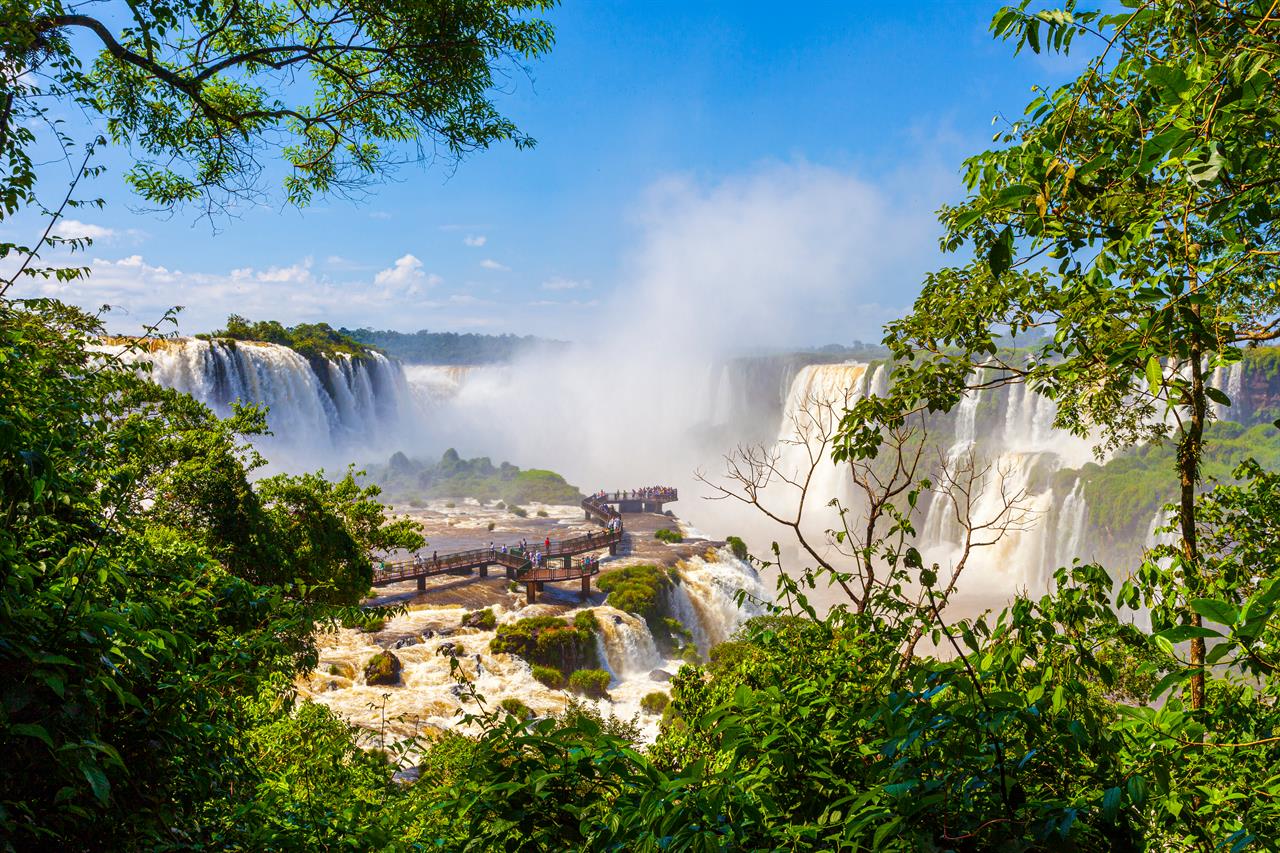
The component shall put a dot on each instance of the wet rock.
(448, 650)
(482, 619)
(659, 675)
(428, 634)
(406, 641)
(617, 620)
(338, 667)
(407, 775)
(382, 668)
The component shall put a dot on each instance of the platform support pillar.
(530, 592)
(422, 584)
(484, 570)
(586, 586)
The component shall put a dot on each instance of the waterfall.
(625, 643)
(705, 598)
(319, 411)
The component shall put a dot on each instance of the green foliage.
(455, 477)
(671, 537)
(144, 641)
(585, 620)
(310, 340)
(484, 619)
(547, 641)
(655, 702)
(592, 683)
(382, 668)
(549, 676)
(636, 589)
(515, 708)
(465, 348)
(204, 95)
(738, 547)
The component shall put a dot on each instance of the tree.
(204, 90)
(1130, 215)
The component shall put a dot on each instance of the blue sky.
(690, 155)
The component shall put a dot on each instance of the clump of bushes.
(501, 505)
(491, 525)
(592, 683)
(450, 505)
(482, 619)
(519, 512)
(548, 641)
(655, 702)
(542, 513)
(587, 621)
(369, 623)
(671, 537)
(737, 546)
(516, 708)
(548, 676)
(636, 589)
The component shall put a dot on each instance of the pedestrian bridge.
(518, 564)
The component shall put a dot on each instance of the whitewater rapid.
(430, 696)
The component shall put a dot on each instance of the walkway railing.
(596, 507)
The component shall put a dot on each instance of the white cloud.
(406, 276)
(475, 240)
(559, 283)
(70, 229)
(490, 264)
(379, 214)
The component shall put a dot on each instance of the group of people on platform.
(648, 493)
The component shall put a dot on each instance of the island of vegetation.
(413, 482)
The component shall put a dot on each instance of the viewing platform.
(638, 500)
(517, 563)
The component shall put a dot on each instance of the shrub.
(516, 708)
(542, 513)
(655, 702)
(548, 676)
(593, 683)
(636, 589)
(491, 525)
(482, 619)
(586, 620)
(519, 512)
(501, 505)
(547, 640)
(737, 546)
(333, 669)
(671, 537)
(450, 505)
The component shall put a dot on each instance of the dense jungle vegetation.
(414, 481)
(424, 347)
(156, 603)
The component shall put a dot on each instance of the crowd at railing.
(660, 494)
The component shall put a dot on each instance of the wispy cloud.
(560, 283)
(490, 264)
(73, 229)
(475, 240)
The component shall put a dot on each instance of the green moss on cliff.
(547, 641)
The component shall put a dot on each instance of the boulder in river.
(382, 668)
(405, 641)
(448, 650)
(660, 675)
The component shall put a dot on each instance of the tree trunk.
(1189, 450)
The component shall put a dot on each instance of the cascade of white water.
(879, 384)
(625, 641)
(354, 403)
(966, 422)
(706, 598)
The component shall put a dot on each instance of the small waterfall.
(704, 600)
(966, 422)
(626, 645)
(879, 384)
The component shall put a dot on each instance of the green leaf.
(1216, 610)
(1155, 375)
(97, 781)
